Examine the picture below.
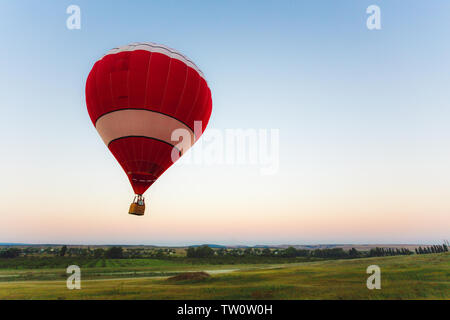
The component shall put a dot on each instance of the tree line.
(10, 253)
(117, 252)
(432, 249)
(291, 252)
(383, 252)
(114, 252)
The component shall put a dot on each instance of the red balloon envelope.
(137, 96)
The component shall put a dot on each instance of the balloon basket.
(137, 207)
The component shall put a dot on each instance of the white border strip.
(144, 123)
(154, 47)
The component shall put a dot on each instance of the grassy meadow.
(402, 277)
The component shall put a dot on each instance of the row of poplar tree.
(432, 249)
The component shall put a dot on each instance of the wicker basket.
(137, 209)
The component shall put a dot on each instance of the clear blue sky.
(363, 119)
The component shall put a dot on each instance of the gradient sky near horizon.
(363, 118)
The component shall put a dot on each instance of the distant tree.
(114, 253)
(248, 251)
(353, 253)
(10, 253)
(302, 252)
(160, 253)
(99, 253)
(221, 252)
(407, 251)
(290, 252)
(190, 252)
(83, 252)
(63, 251)
(204, 252)
(266, 252)
(200, 252)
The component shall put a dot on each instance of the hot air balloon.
(137, 96)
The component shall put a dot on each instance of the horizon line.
(218, 244)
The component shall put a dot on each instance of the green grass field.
(402, 277)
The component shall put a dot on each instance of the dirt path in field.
(175, 272)
(148, 274)
(164, 274)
